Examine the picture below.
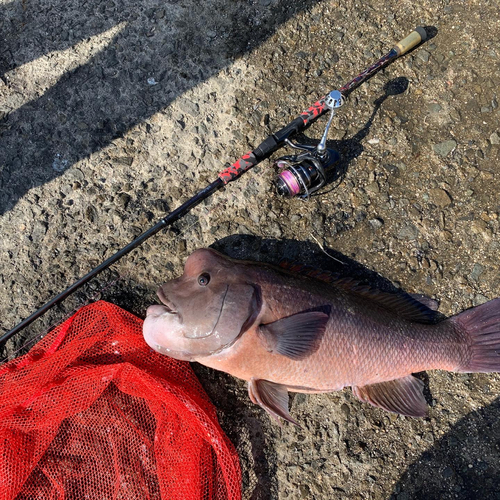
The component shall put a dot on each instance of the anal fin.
(403, 395)
(272, 397)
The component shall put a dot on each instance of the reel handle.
(412, 40)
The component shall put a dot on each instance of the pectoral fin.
(403, 395)
(272, 397)
(295, 336)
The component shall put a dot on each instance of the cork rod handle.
(412, 40)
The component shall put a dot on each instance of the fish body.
(283, 332)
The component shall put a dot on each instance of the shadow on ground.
(245, 246)
(464, 464)
(352, 147)
(158, 51)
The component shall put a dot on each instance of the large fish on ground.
(289, 332)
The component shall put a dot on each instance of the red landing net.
(91, 412)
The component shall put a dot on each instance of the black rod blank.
(166, 221)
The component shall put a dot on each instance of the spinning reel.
(304, 173)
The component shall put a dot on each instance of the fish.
(287, 332)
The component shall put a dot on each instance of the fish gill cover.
(92, 412)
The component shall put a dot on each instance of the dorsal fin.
(306, 270)
(401, 303)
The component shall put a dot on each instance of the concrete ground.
(114, 112)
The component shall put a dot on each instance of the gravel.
(445, 148)
(112, 114)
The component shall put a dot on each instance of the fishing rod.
(301, 174)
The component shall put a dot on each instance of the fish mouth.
(150, 335)
(168, 306)
(157, 310)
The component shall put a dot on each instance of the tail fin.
(482, 323)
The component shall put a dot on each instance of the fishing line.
(325, 252)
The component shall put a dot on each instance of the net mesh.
(91, 412)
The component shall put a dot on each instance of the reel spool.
(305, 173)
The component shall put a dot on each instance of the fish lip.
(170, 306)
(156, 310)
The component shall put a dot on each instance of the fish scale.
(283, 332)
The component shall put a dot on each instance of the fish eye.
(203, 279)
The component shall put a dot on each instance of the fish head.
(203, 311)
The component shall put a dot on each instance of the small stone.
(428, 437)
(392, 169)
(376, 223)
(66, 190)
(477, 270)
(440, 197)
(479, 299)
(448, 472)
(455, 115)
(90, 213)
(181, 246)
(434, 108)
(495, 139)
(39, 230)
(444, 148)
(408, 232)
(59, 164)
(124, 160)
(275, 230)
(188, 106)
(423, 55)
(479, 226)
(300, 399)
(123, 200)
(345, 410)
(305, 491)
(373, 187)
